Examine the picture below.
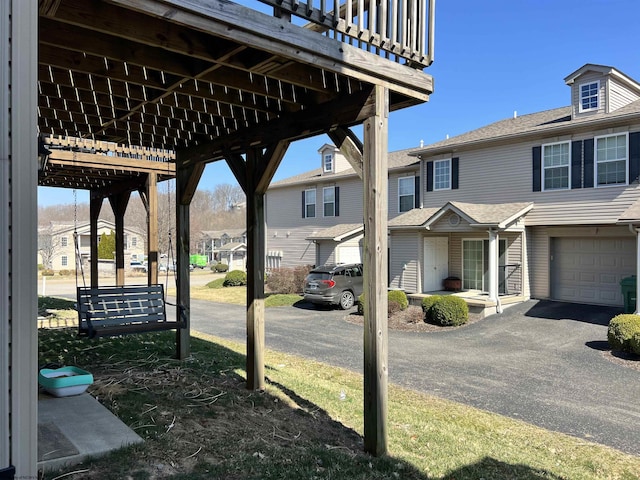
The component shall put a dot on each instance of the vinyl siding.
(394, 203)
(575, 93)
(404, 248)
(287, 230)
(326, 252)
(504, 174)
(619, 95)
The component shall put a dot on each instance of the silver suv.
(334, 285)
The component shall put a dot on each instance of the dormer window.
(589, 96)
(327, 163)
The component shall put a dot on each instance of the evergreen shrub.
(235, 278)
(622, 329)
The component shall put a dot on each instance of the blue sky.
(491, 59)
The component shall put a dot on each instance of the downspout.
(635, 230)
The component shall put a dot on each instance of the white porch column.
(493, 269)
(18, 237)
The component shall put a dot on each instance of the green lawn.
(199, 421)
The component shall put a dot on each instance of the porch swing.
(122, 309)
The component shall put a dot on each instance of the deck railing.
(400, 30)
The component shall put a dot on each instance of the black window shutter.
(587, 147)
(537, 169)
(416, 192)
(304, 209)
(634, 156)
(429, 176)
(455, 173)
(576, 164)
(337, 197)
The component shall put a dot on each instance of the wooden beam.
(345, 110)
(119, 204)
(350, 146)
(48, 8)
(238, 167)
(375, 171)
(151, 204)
(68, 158)
(95, 205)
(269, 164)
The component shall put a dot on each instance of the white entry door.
(436, 263)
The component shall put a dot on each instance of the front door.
(436, 263)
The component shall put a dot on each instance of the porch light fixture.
(43, 154)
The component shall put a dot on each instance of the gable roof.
(233, 247)
(395, 160)
(232, 233)
(499, 215)
(337, 233)
(604, 70)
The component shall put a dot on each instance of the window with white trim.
(329, 201)
(64, 260)
(327, 162)
(612, 159)
(406, 194)
(64, 241)
(310, 203)
(134, 241)
(442, 174)
(556, 164)
(589, 93)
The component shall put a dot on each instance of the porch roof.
(500, 215)
(337, 233)
(631, 215)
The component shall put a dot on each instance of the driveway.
(541, 362)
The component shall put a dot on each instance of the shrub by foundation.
(634, 343)
(427, 303)
(235, 278)
(450, 311)
(399, 297)
(622, 329)
(47, 272)
(221, 267)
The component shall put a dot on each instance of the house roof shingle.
(337, 232)
(396, 160)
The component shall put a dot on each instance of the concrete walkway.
(541, 362)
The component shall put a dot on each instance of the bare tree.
(49, 246)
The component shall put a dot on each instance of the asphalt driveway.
(541, 362)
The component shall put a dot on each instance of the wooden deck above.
(211, 75)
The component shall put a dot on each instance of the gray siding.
(393, 191)
(326, 252)
(404, 248)
(504, 174)
(287, 230)
(575, 93)
(619, 95)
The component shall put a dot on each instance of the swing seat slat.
(119, 310)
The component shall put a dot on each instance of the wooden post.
(95, 205)
(254, 177)
(119, 204)
(255, 281)
(152, 228)
(375, 275)
(187, 178)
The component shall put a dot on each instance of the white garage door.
(349, 254)
(589, 270)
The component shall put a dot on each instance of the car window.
(356, 272)
(318, 276)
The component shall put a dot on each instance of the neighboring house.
(214, 242)
(544, 205)
(56, 245)
(315, 218)
(234, 254)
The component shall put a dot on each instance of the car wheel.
(347, 300)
